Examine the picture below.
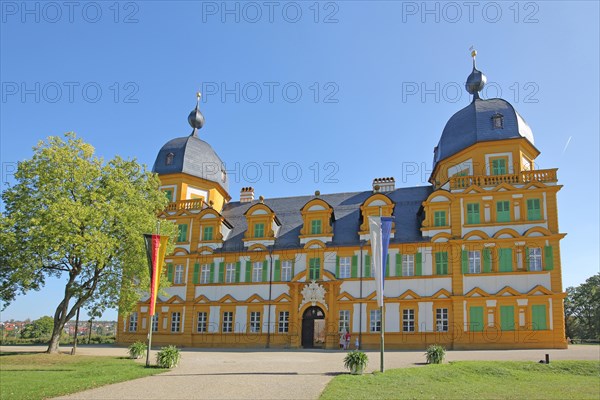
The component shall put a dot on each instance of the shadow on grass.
(263, 373)
(19, 353)
(37, 370)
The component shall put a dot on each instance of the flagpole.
(381, 311)
(151, 319)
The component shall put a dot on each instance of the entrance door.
(313, 328)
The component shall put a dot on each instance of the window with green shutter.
(170, 272)
(533, 210)
(354, 270)
(169, 195)
(439, 218)
(549, 256)
(314, 268)
(507, 318)
(259, 230)
(208, 233)
(248, 277)
(183, 230)
(315, 227)
(398, 264)
(367, 271)
(499, 166)
(441, 263)
(277, 271)
(503, 211)
(196, 278)
(472, 213)
(538, 317)
(476, 319)
(418, 264)
(487, 260)
(506, 260)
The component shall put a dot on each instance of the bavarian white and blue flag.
(380, 228)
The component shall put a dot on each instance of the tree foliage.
(38, 329)
(72, 215)
(582, 309)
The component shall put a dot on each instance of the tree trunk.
(55, 339)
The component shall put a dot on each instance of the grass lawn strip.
(474, 379)
(40, 376)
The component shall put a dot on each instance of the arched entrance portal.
(313, 328)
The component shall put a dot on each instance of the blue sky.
(298, 96)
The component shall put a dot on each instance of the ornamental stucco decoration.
(313, 293)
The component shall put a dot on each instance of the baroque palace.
(474, 258)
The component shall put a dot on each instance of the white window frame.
(375, 321)
(408, 320)
(474, 262)
(344, 324)
(254, 321)
(535, 259)
(408, 265)
(205, 273)
(227, 326)
(202, 322)
(230, 273)
(175, 321)
(133, 321)
(257, 268)
(441, 320)
(345, 267)
(284, 322)
(178, 276)
(286, 271)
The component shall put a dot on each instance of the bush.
(435, 354)
(168, 357)
(356, 361)
(137, 350)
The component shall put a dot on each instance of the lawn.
(474, 380)
(39, 375)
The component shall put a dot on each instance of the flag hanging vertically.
(156, 247)
(381, 228)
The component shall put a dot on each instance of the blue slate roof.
(346, 208)
(473, 124)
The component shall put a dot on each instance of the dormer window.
(498, 121)
(169, 159)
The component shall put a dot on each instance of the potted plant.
(435, 354)
(137, 350)
(356, 361)
(168, 357)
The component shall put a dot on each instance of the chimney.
(384, 185)
(246, 194)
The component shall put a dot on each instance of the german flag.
(156, 246)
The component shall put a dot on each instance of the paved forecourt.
(274, 374)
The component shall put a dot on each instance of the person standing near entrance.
(342, 341)
(347, 340)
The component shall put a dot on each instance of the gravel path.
(273, 374)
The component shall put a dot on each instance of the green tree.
(582, 309)
(39, 329)
(73, 216)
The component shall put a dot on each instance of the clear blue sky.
(315, 87)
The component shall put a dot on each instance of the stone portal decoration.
(313, 293)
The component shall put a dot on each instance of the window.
(408, 320)
(205, 273)
(476, 319)
(441, 263)
(505, 260)
(439, 218)
(169, 195)
(497, 121)
(284, 321)
(315, 227)
(474, 262)
(538, 317)
(286, 271)
(535, 259)
(499, 166)
(202, 322)
(230, 272)
(503, 211)
(345, 267)
(169, 158)
(533, 210)
(259, 230)
(227, 321)
(314, 268)
(155, 323)
(257, 271)
(408, 264)
(441, 320)
(175, 321)
(178, 280)
(472, 213)
(507, 318)
(344, 321)
(375, 321)
(255, 322)
(182, 237)
(133, 321)
(208, 233)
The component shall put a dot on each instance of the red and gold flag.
(156, 247)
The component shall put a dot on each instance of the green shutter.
(549, 255)
(293, 267)
(487, 260)
(387, 265)
(507, 318)
(418, 264)
(367, 273)
(533, 210)
(505, 260)
(465, 261)
(265, 277)
(438, 263)
(248, 271)
(398, 264)
(170, 272)
(238, 266)
(538, 317)
(337, 267)
(354, 272)
(221, 272)
(212, 272)
(196, 279)
(277, 274)
(476, 319)
(182, 233)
